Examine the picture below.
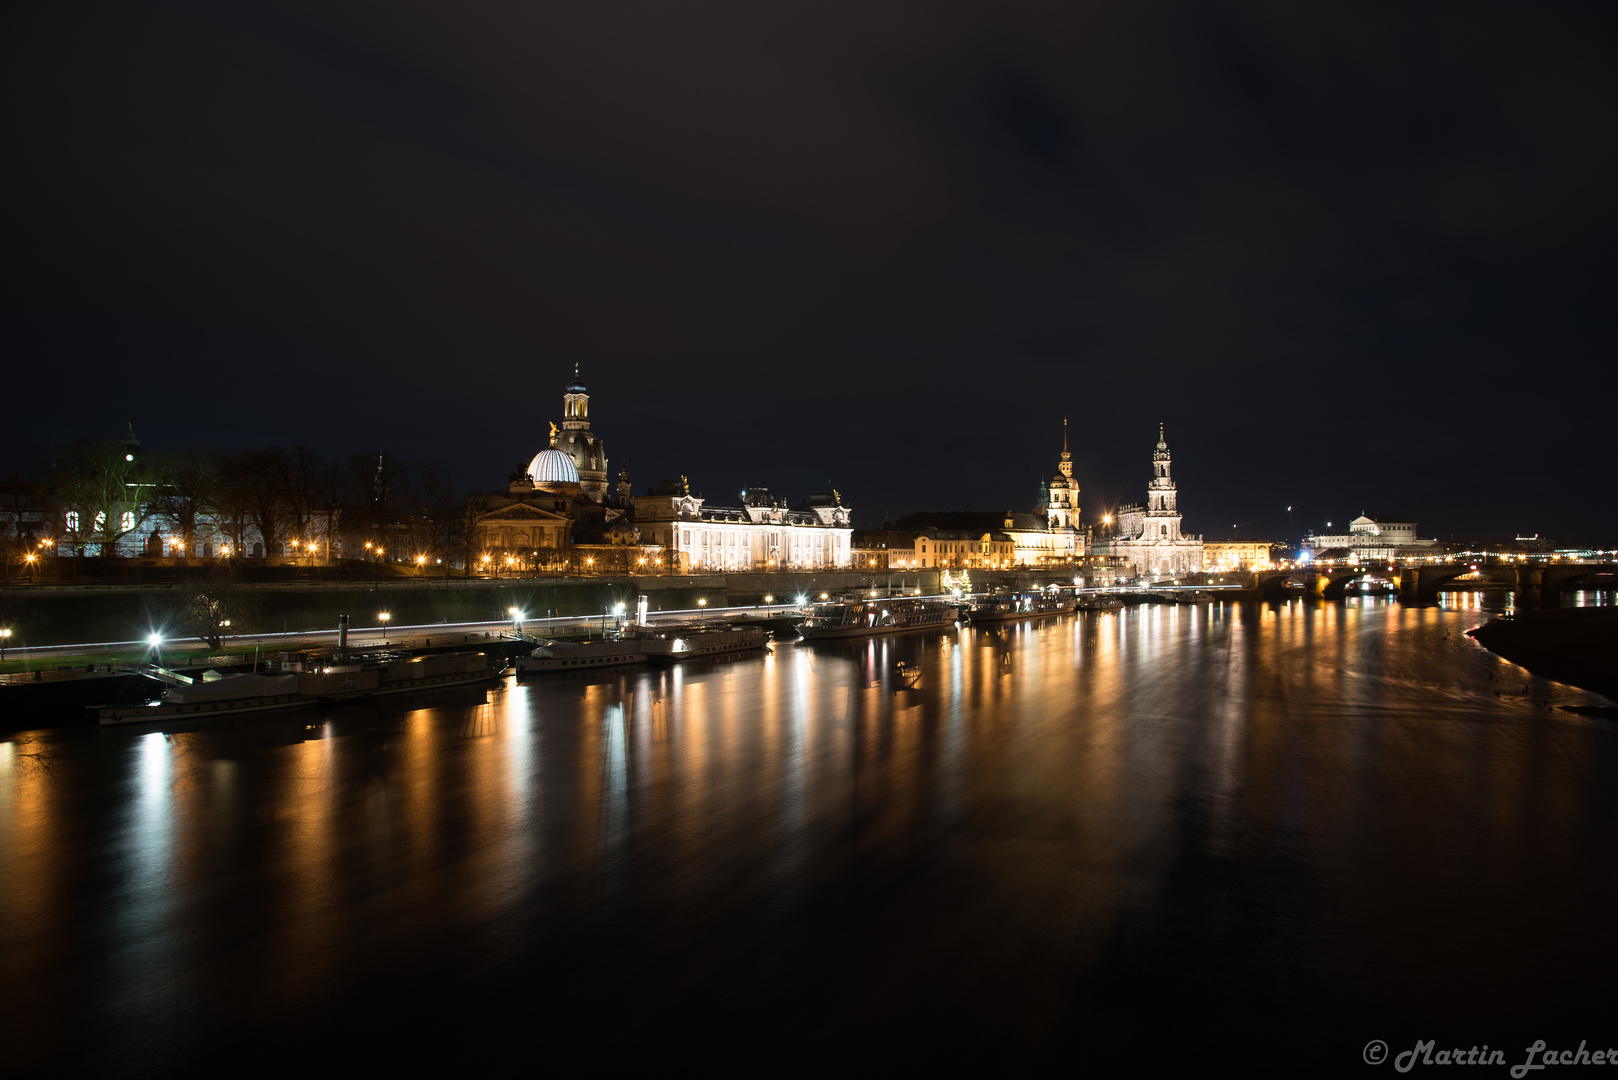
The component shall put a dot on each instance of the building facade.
(1147, 540)
(1373, 538)
(935, 549)
(1223, 556)
(558, 506)
(758, 535)
(1048, 537)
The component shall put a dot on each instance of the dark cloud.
(1357, 258)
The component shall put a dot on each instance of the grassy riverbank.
(1571, 645)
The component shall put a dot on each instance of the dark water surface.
(1192, 836)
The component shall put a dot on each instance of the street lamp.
(383, 616)
(5, 639)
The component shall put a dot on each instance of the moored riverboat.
(678, 642)
(359, 677)
(231, 695)
(864, 618)
(1006, 607)
(582, 655)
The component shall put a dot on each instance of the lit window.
(72, 521)
(127, 523)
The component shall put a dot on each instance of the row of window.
(127, 522)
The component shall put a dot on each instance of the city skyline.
(1339, 254)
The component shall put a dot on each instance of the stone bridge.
(1532, 583)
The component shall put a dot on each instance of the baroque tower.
(588, 452)
(1162, 513)
(1062, 506)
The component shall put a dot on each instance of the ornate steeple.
(1062, 497)
(588, 451)
(1160, 493)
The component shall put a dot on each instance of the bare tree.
(22, 504)
(372, 490)
(190, 488)
(433, 514)
(209, 615)
(232, 504)
(256, 483)
(103, 491)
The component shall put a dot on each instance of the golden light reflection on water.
(1019, 791)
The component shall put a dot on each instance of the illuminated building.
(556, 514)
(1147, 539)
(1372, 538)
(758, 535)
(1049, 536)
(1062, 496)
(965, 550)
(556, 508)
(1219, 556)
(575, 439)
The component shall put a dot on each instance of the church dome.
(552, 467)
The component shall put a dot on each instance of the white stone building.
(1370, 539)
(1147, 541)
(758, 535)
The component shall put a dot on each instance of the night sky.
(1355, 257)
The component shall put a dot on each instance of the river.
(1173, 836)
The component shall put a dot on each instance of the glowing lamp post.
(516, 619)
(5, 639)
(383, 617)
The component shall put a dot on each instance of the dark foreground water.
(1255, 835)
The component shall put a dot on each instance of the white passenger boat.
(864, 618)
(677, 642)
(582, 655)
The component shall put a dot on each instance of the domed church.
(558, 501)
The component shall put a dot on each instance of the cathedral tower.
(1162, 511)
